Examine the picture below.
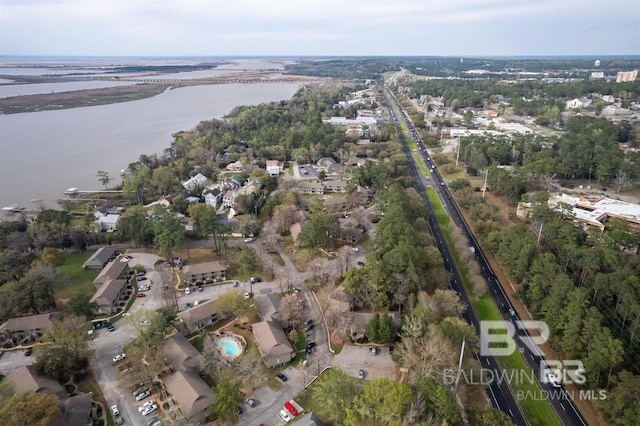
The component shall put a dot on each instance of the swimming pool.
(230, 346)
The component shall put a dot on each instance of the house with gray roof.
(25, 381)
(77, 410)
(273, 343)
(101, 257)
(110, 295)
(190, 392)
(180, 353)
(114, 270)
(311, 188)
(201, 316)
(18, 330)
(207, 272)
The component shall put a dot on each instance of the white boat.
(71, 191)
(13, 208)
(35, 200)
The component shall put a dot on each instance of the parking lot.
(10, 361)
(352, 359)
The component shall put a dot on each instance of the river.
(44, 153)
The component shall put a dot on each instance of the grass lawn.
(74, 279)
(537, 412)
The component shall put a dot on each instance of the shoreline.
(135, 91)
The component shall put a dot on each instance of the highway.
(500, 393)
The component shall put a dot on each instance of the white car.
(145, 406)
(355, 249)
(553, 379)
(119, 357)
(247, 295)
(187, 290)
(150, 409)
(142, 395)
(285, 416)
(114, 410)
(248, 240)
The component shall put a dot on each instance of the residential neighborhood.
(333, 257)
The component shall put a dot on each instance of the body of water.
(44, 153)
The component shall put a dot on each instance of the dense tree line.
(587, 150)
(586, 287)
(528, 97)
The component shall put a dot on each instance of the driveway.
(10, 361)
(107, 344)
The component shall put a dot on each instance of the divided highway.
(500, 393)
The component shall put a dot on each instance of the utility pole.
(484, 187)
(455, 389)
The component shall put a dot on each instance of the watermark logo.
(497, 338)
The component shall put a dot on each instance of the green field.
(73, 279)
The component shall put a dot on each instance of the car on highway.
(281, 377)
(553, 380)
(119, 357)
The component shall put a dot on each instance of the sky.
(319, 27)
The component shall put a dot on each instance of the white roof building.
(198, 179)
(596, 213)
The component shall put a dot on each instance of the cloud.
(118, 27)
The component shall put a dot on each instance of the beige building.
(273, 343)
(625, 76)
(114, 270)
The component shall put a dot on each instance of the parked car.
(150, 409)
(114, 410)
(355, 249)
(281, 377)
(28, 352)
(361, 374)
(235, 284)
(141, 295)
(308, 321)
(200, 288)
(290, 408)
(145, 406)
(373, 350)
(187, 290)
(142, 395)
(239, 410)
(251, 402)
(247, 295)
(308, 327)
(110, 328)
(248, 240)
(360, 263)
(119, 357)
(285, 416)
(142, 278)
